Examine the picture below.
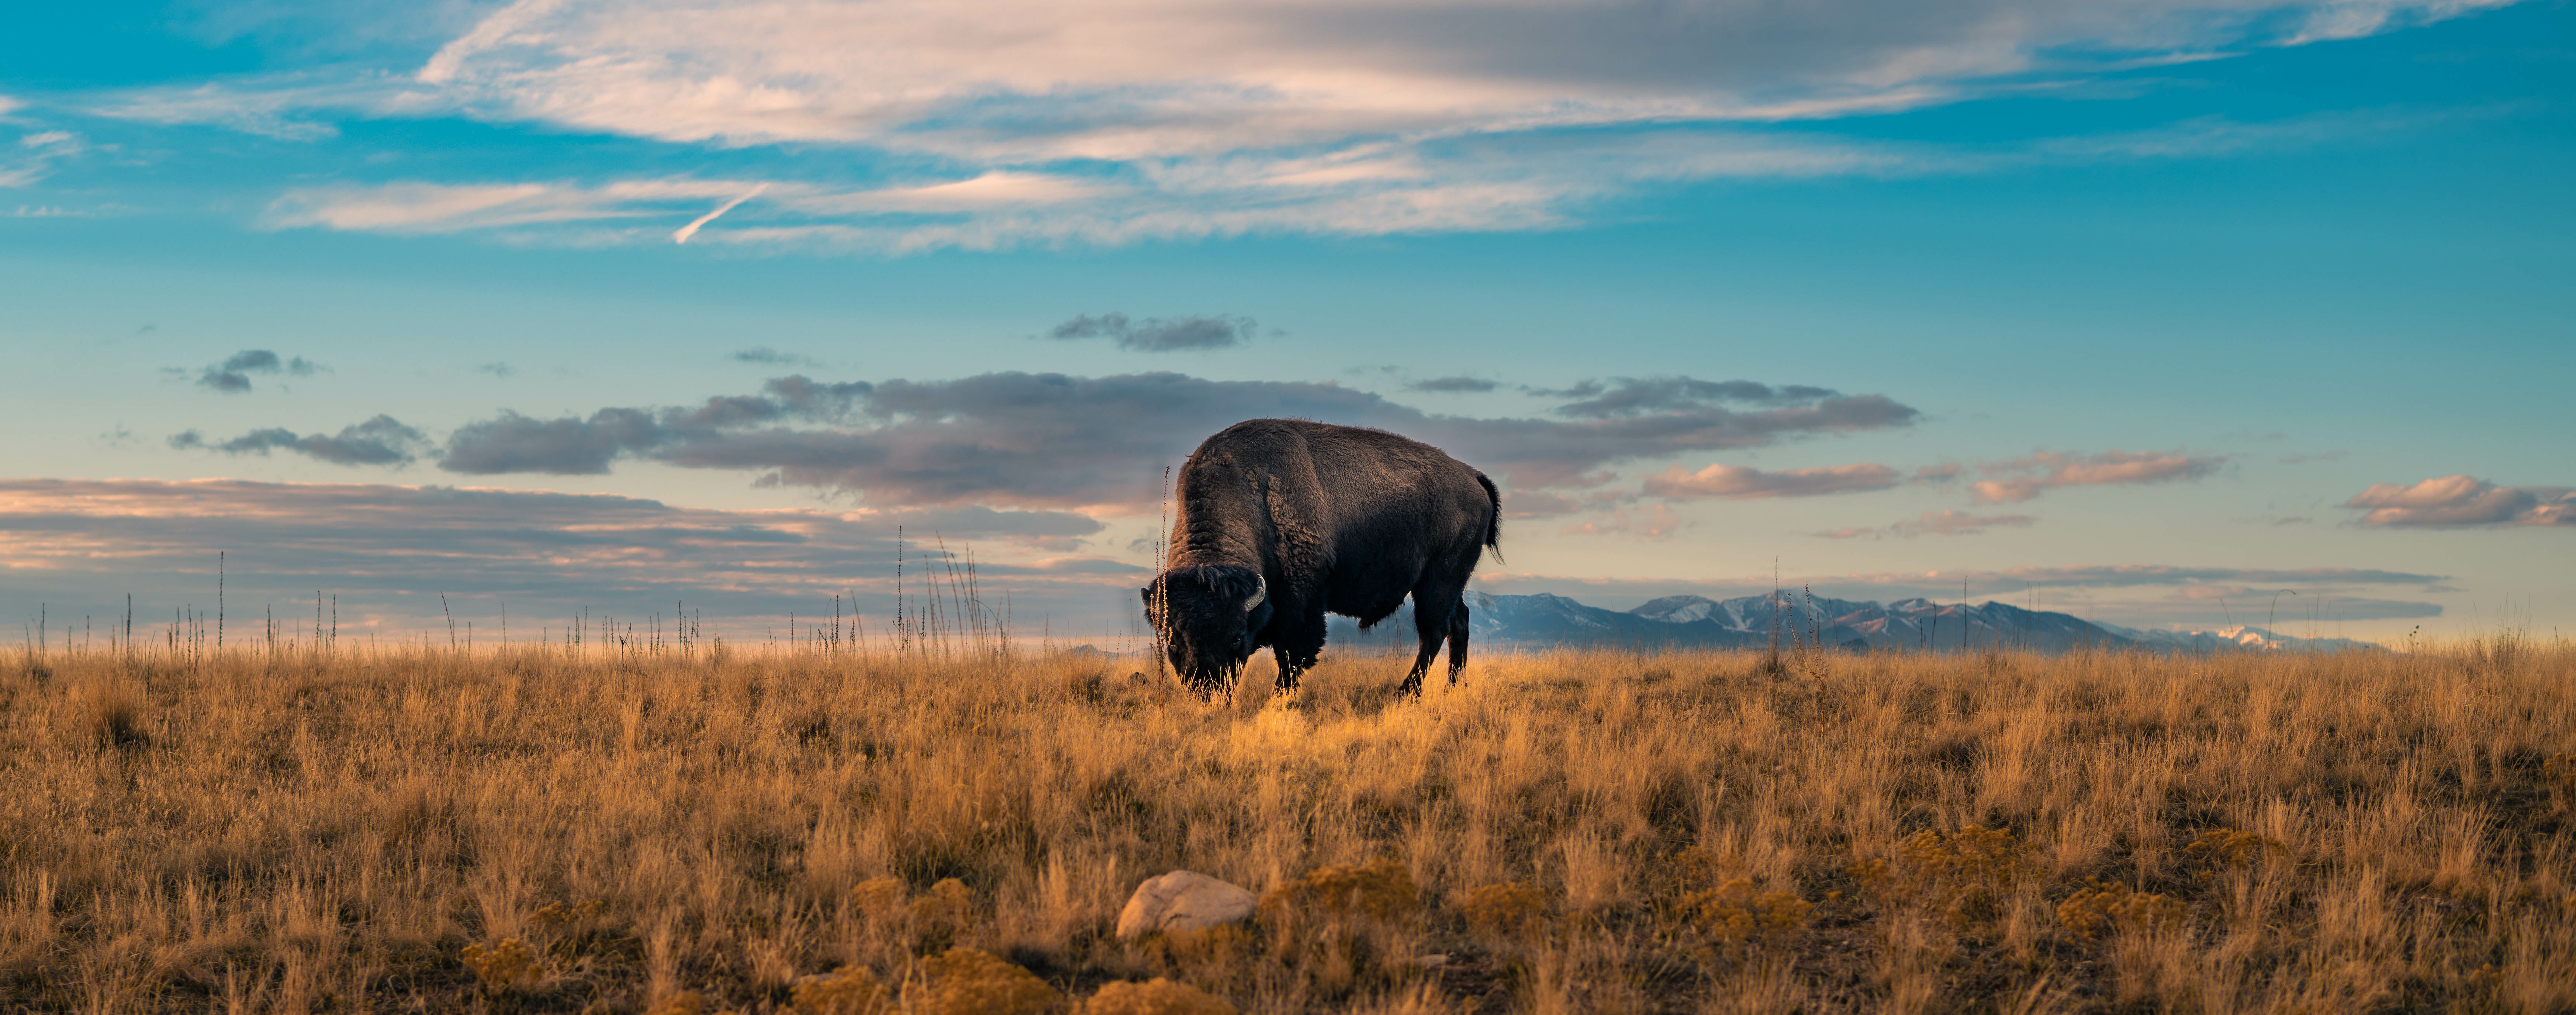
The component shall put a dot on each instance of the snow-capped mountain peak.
(1792, 617)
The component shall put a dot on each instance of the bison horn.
(1260, 591)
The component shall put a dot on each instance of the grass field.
(530, 829)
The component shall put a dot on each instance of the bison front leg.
(1300, 646)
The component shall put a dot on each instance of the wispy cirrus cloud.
(288, 107)
(2464, 502)
(1466, 183)
(35, 154)
(418, 207)
(1471, 188)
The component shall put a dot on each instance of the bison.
(1284, 520)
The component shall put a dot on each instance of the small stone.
(1183, 901)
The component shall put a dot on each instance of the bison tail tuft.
(1493, 521)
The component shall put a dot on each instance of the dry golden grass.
(1572, 832)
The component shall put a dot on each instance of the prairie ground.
(532, 829)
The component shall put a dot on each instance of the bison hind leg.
(1434, 618)
(1457, 641)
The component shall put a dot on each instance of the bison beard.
(1283, 520)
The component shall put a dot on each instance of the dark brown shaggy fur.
(1318, 518)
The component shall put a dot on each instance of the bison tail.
(1494, 520)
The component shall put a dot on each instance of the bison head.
(1210, 618)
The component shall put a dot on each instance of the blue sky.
(2140, 310)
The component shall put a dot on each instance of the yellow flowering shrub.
(2103, 908)
(878, 898)
(1381, 888)
(963, 981)
(1506, 908)
(1736, 912)
(1157, 996)
(506, 965)
(850, 990)
(1963, 875)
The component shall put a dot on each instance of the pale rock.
(1182, 901)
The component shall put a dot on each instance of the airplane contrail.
(684, 232)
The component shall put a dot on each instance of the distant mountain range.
(1750, 622)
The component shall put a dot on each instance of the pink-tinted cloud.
(1743, 483)
(2024, 478)
(2463, 501)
